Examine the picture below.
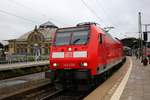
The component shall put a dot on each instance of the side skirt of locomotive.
(109, 66)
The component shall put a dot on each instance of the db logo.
(68, 54)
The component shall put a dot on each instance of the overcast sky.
(121, 14)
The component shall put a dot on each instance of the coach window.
(100, 38)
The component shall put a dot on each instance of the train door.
(102, 51)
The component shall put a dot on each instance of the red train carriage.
(83, 52)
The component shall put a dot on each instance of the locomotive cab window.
(79, 37)
(100, 38)
(62, 39)
(71, 37)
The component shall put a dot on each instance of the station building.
(3, 49)
(36, 41)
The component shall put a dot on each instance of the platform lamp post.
(140, 36)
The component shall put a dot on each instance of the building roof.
(47, 29)
(24, 36)
(4, 42)
(48, 24)
(46, 32)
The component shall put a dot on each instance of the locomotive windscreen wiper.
(75, 41)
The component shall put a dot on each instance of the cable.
(91, 10)
(20, 17)
(19, 4)
(104, 11)
(29, 8)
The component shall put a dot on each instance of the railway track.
(49, 91)
(34, 94)
(67, 95)
(56, 93)
(79, 95)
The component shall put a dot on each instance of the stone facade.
(34, 42)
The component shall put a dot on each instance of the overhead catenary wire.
(20, 17)
(26, 7)
(92, 11)
(29, 8)
(44, 15)
(104, 10)
(38, 12)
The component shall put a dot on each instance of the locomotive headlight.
(55, 64)
(69, 49)
(85, 64)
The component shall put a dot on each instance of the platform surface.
(12, 86)
(22, 65)
(133, 85)
(105, 90)
(138, 84)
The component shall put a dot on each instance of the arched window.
(36, 37)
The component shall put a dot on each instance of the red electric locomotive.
(83, 52)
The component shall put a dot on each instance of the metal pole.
(140, 35)
(145, 41)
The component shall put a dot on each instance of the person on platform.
(145, 61)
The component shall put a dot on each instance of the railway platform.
(138, 84)
(4, 67)
(132, 84)
(13, 86)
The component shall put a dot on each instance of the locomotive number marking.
(68, 65)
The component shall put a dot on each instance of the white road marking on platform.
(119, 90)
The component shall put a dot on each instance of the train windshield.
(71, 37)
